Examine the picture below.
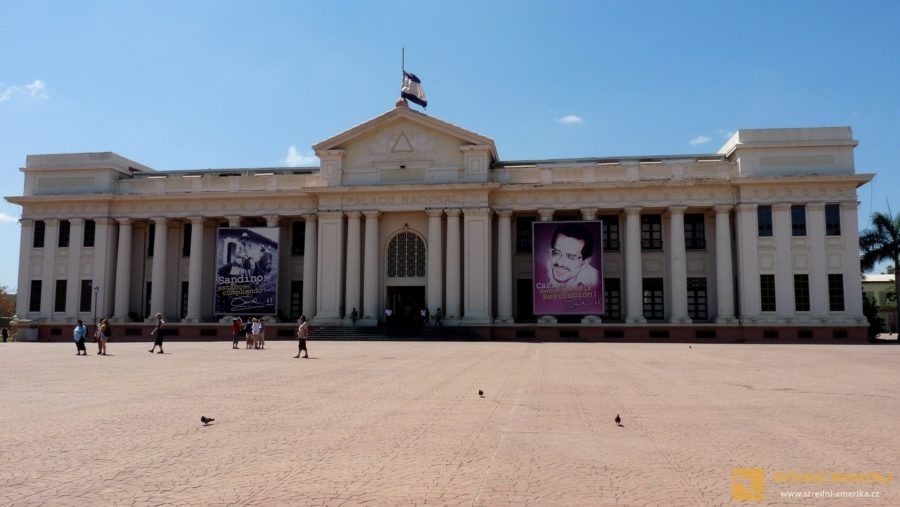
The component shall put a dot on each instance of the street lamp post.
(96, 291)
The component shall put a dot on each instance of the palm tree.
(882, 243)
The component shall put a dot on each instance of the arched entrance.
(405, 277)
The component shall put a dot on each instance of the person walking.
(438, 315)
(302, 335)
(158, 333)
(79, 334)
(248, 333)
(236, 326)
(354, 315)
(5, 333)
(261, 344)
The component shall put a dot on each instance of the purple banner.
(568, 268)
(246, 271)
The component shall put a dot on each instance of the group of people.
(102, 333)
(410, 316)
(252, 331)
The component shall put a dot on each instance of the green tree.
(881, 243)
(7, 303)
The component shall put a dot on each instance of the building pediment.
(404, 146)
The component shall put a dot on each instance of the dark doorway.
(524, 300)
(405, 303)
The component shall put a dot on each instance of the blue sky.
(219, 84)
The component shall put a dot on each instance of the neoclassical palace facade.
(756, 241)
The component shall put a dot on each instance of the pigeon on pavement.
(618, 420)
(481, 393)
(206, 420)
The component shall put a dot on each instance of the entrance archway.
(405, 277)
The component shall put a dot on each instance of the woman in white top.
(255, 331)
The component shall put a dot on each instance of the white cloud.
(571, 119)
(296, 159)
(8, 218)
(700, 140)
(37, 89)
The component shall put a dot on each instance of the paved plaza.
(401, 423)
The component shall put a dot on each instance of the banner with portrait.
(246, 271)
(568, 267)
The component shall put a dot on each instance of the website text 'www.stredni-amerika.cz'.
(829, 493)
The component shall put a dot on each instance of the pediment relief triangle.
(402, 145)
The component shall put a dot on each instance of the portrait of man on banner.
(246, 271)
(568, 268)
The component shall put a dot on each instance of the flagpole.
(402, 65)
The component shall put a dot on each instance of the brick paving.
(400, 423)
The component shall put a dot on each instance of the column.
(504, 267)
(545, 215)
(195, 269)
(852, 275)
(123, 271)
(591, 214)
(748, 262)
(26, 245)
(817, 271)
(784, 272)
(634, 288)
(331, 268)
(453, 265)
(104, 237)
(435, 266)
(354, 272)
(158, 276)
(370, 271)
(724, 274)
(48, 268)
(73, 283)
(477, 265)
(310, 251)
(233, 220)
(677, 266)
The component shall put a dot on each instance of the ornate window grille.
(406, 256)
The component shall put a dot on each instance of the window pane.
(767, 292)
(798, 220)
(832, 219)
(764, 220)
(65, 228)
(836, 292)
(801, 292)
(90, 228)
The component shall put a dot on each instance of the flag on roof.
(412, 89)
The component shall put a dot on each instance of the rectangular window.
(40, 229)
(523, 234)
(186, 240)
(651, 232)
(34, 296)
(653, 299)
(59, 298)
(65, 228)
(832, 219)
(801, 292)
(151, 239)
(697, 299)
(298, 238)
(798, 220)
(836, 292)
(610, 232)
(612, 298)
(90, 232)
(184, 299)
(767, 293)
(296, 299)
(147, 296)
(86, 295)
(694, 231)
(764, 220)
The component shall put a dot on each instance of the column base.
(591, 319)
(546, 320)
(680, 320)
(475, 321)
(726, 320)
(636, 320)
(120, 318)
(508, 320)
(192, 320)
(326, 321)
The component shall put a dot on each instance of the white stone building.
(756, 241)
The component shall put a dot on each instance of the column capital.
(102, 220)
(633, 210)
(545, 214)
(197, 220)
(26, 222)
(677, 210)
(233, 220)
(124, 221)
(477, 212)
(354, 215)
(815, 206)
(588, 213)
(747, 207)
(331, 214)
(51, 221)
(722, 208)
(372, 215)
(504, 213)
(781, 206)
(76, 221)
(160, 220)
(311, 217)
(272, 220)
(849, 205)
(453, 212)
(435, 212)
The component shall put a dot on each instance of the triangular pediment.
(404, 141)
